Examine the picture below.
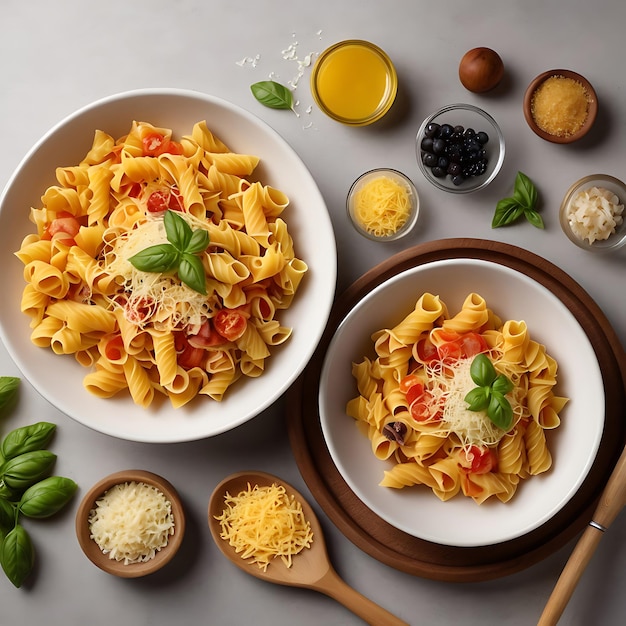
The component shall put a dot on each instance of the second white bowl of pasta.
(156, 248)
(441, 442)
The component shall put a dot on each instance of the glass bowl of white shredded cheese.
(592, 213)
(130, 523)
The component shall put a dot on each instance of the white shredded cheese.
(170, 301)
(131, 522)
(449, 391)
(594, 214)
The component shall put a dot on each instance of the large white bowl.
(59, 379)
(574, 444)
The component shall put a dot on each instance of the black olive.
(482, 137)
(427, 144)
(432, 129)
(439, 145)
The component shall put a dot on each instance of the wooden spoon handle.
(333, 586)
(611, 503)
(570, 576)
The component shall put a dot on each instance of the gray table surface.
(56, 57)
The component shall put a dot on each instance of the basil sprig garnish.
(272, 94)
(26, 489)
(179, 255)
(522, 203)
(489, 395)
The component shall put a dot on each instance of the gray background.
(56, 57)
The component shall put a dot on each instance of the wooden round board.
(423, 558)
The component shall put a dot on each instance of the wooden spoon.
(310, 569)
(611, 502)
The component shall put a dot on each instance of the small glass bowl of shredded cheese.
(592, 213)
(383, 204)
(130, 523)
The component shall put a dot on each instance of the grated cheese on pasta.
(263, 523)
(594, 214)
(131, 522)
(472, 427)
(382, 206)
(171, 301)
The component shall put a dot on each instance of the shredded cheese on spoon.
(263, 523)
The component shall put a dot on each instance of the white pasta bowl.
(460, 521)
(59, 378)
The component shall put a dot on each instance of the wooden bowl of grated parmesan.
(130, 523)
(560, 106)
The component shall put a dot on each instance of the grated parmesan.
(382, 206)
(448, 391)
(263, 523)
(172, 302)
(560, 106)
(131, 522)
(594, 214)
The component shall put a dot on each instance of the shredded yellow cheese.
(382, 206)
(263, 523)
(131, 522)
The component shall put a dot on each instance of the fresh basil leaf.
(534, 218)
(26, 439)
(507, 212)
(8, 389)
(191, 272)
(502, 384)
(500, 411)
(524, 191)
(47, 497)
(161, 257)
(272, 94)
(198, 242)
(482, 371)
(177, 230)
(17, 555)
(26, 469)
(7, 516)
(478, 399)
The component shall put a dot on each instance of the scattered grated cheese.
(263, 523)
(131, 522)
(594, 214)
(382, 206)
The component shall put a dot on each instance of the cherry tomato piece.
(426, 351)
(481, 460)
(229, 323)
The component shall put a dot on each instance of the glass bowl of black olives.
(460, 148)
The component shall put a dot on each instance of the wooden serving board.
(416, 556)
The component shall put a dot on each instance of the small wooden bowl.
(591, 114)
(92, 550)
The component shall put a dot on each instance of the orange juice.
(354, 82)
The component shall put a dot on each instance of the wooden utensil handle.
(335, 587)
(570, 576)
(611, 502)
